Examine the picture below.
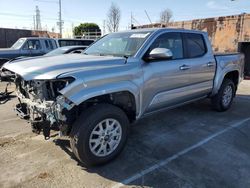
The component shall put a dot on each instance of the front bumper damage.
(45, 115)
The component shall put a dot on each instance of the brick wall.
(225, 33)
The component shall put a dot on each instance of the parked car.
(6, 76)
(74, 42)
(36, 46)
(27, 47)
(123, 77)
(67, 50)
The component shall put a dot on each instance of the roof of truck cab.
(74, 39)
(163, 29)
(36, 38)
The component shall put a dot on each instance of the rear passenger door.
(202, 61)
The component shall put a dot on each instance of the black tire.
(85, 124)
(217, 100)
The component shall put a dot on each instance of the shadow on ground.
(161, 136)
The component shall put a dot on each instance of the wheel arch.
(232, 75)
(125, 100)
(125, 95)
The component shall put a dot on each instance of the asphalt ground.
(191, 146)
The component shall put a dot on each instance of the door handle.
(184, 67)
(210, 64)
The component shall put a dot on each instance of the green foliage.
(84, 28)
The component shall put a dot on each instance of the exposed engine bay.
(41, 103)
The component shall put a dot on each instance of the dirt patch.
(44, 175)
(6, 141)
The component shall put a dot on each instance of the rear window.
(75, 42)
(49, 45)
(195, 45)
(52, 43)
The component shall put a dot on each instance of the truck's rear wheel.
(99, 134)
(224, 98)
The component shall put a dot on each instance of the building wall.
(9, 36)
(225, 33)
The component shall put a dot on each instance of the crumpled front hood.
(52, 67)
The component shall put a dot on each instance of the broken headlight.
(62, 83)
(47, 89)
(59, 84)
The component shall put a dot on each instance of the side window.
(75, 42)
(195, 45)
(47, 45)
(53, 43)
(62, 43)
(32, 45)
(87, 42)
(171, 41)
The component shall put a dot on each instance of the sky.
(19, 13)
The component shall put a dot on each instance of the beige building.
(227, 34)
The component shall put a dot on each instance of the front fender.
(78, 91)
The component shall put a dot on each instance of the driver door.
(166, 81)
(32, 48)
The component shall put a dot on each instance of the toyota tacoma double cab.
(94, 97)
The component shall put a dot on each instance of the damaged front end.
(42, 104)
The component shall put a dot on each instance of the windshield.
(18, 44)
(57, 51)
(118, 44)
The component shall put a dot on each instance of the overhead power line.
(46, 1)
(16, 15)
(148, 16)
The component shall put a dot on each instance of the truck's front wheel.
(224, 98)
(99, 134)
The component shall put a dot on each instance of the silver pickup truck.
(125, 76)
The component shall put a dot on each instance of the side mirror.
(160, 54)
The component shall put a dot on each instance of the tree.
(114, 17)
(166, 16)
(86, 29)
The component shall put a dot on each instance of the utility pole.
(60, 22)
(131, 20)
(104, 27)
(34, 22)
(38, 19)
(72, 30)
